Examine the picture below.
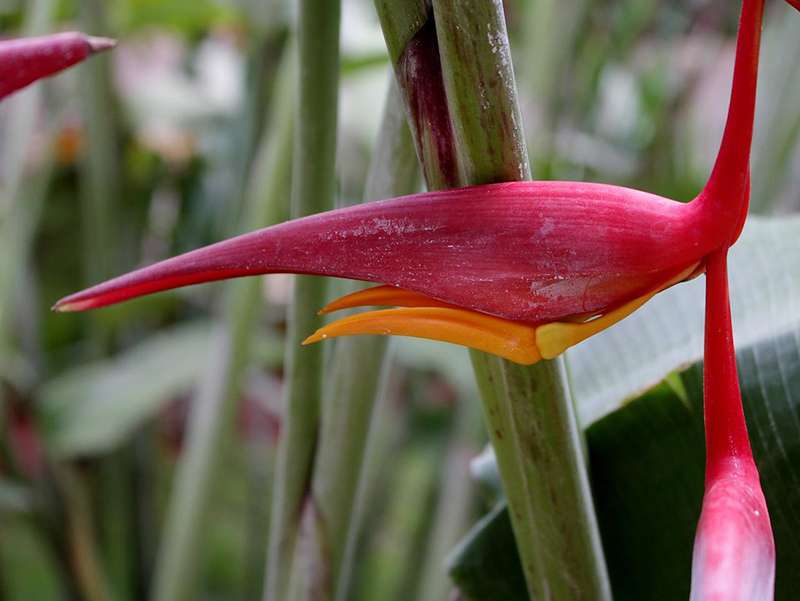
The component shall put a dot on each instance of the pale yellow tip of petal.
(70, 307)
(317, 336)
(98, 44)
(555, 338)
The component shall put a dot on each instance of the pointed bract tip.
(64, 306)
(99, 44)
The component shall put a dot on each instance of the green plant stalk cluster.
(216, 400)
(313, 190)
(528, 410)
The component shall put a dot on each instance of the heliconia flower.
(24, 60)
(523, 270)
(734, 551)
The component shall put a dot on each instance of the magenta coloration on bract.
(25, 60)
(543, 251)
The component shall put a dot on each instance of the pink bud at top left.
(25, 60)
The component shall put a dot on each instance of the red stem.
(727, 443)
(725, 197)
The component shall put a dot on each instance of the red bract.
(25, 60)
(530, 252)
(523, 270)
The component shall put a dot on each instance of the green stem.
(100, 169)
(528, 410)
(389, 423)
(357, 365)
(552, 28)
(215, 403)
(481, 91)
(392, 566)
(84, 560)
(456, 503)
(313, 192)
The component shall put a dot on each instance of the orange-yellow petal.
(508, 339)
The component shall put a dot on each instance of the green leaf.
(92, 408)
(667, 333)
(485, 565)
(647, 462)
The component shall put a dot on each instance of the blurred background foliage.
(160, 147)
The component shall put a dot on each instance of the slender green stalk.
(357, 366)
(100, 193)
(456, 503)
(84, 560)
(391, 568)
(552, 28)
(215, 403)
(313, 191)
(528, 411)
(388, 425)
(100, 171)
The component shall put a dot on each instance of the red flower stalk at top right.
(525, 270)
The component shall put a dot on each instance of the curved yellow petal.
(552, 339)
(381, 296)
(508, 339)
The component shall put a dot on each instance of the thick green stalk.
(356, 369)
(481, 91)
(528, 410)
(216, 399)
(313, 191)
